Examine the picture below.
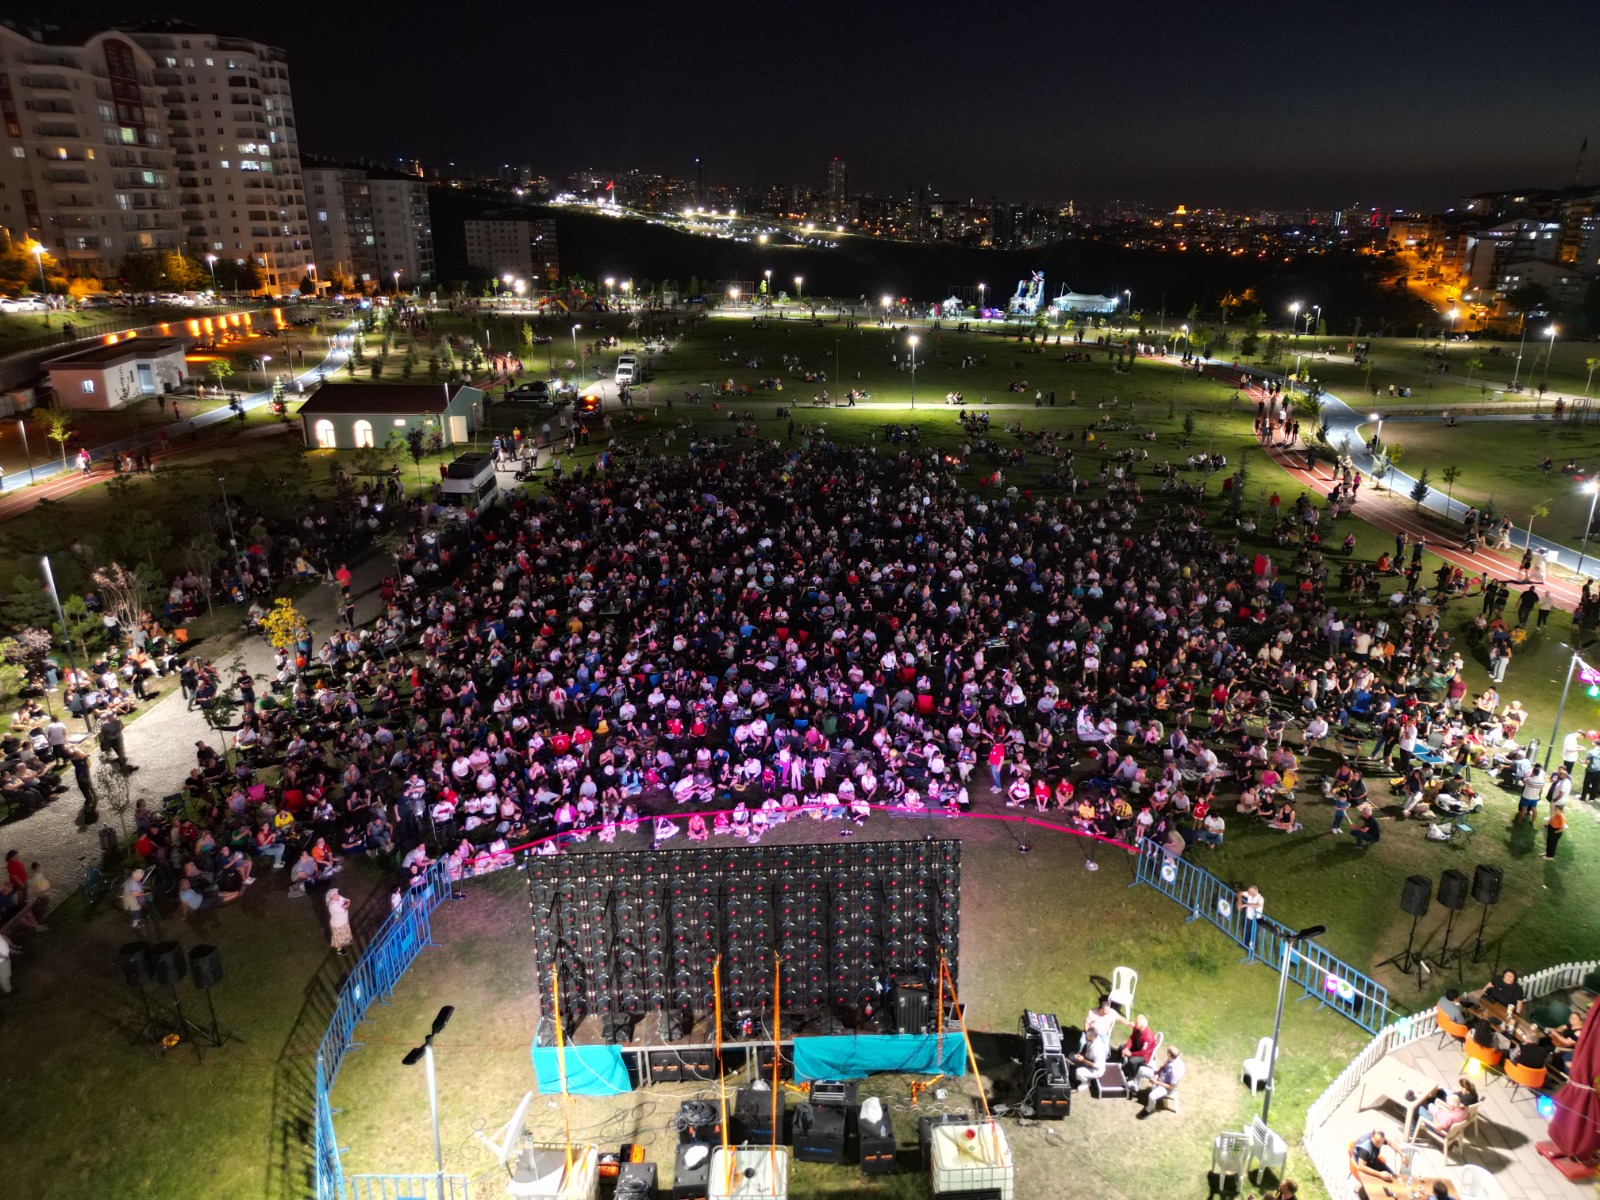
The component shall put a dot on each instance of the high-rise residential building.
(509, 243)
(235, 146)
(370, 225)
(86, 164)
(339, 203)
(838, 191)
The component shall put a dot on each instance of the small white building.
(107, 377)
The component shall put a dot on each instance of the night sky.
(1238, 103)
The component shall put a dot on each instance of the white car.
(22, 304)
(627, 370)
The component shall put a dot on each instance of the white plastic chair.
(1230, 1154)
(1474, 1182)
(1124, 983)
(1258, 1066)
(1268, 1151)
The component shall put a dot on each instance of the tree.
(247, 363)
(308, 286)
(28, 650)
(142, 272)
(1188, 426)
(1538, 511)
(58, 427)
(417, 447)
(220, 370)
(1473, 364)
(1250, 343)
(141, 533)
(284, 625)
(1420, 490)
(1450, 474)
(223, 710)
(1274, 350)
(126, 594)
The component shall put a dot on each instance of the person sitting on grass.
(303, 873)
(192, 900)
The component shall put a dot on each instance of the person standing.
(1554, 828)
(338, 921)
(111, 738)
(6, 951)
(55, 734)
(1591, 775)
(1251, 906)
(135, 899)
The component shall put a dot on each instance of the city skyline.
(1174, 109)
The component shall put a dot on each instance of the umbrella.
(1575, 1128)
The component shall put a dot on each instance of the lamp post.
(1555, 731)
(1294, 319)
(1516, 374)
(38, 257)
(227, 511)
(424, 1054)
(799, 287)
(733, 295)
(266, 364)
(396, 275)
(768, 274)
(22, 428)
(913, 340)
(1551, 353)
(980, 301)
(575, 357)
(211, 261)
(1453, 314)
(1318, 325)
(1593, 489)
(1289, 940)
(66, 633)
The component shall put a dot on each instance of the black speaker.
(911, 1006)
(1414, 899)
(676, 1024)
(167, 963)
(616, 1027)
(135, 960)
(1453, 889)
(205, 966)
(819, 1134)
(1486, 884)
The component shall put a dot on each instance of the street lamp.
(1294, 318)
(22, 427)
(1378, 417)
(424, 1054)
(266, 362)
(799, 286)
(575, 357)
(1453, 314)
(233, 542)
(55, 600)
(980, 301)
(1593, 489)
(38, 257)
(768, 274)
(1523, 341)
(733, 295)
(1289, 940)
(396, 275)
(1548, 356)
(913, 372)
(211, 261)
(1318, 325)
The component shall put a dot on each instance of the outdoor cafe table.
(1391, 1080)
(1522, 1029)
(1375, 1187)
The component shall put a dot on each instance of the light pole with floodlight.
(424, 1054)
(22, 428)
(396, 275)
(1593, 489)
(1551, 353)
(1516, 374)
(211, 261)
(980, 301)
(1289, 940)
(913, 340)
(1294, 319)
(575, 357)
(799, 287)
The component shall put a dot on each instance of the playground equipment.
(1029, 295)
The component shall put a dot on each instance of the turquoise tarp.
(591, 1071)
(847, 1057)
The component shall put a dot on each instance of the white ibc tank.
(540, 1173)
(757, 1172)
(969, 1158)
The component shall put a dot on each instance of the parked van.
(627, 370)
(469, 482)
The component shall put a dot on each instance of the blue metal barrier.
(372, 979)
(1319, 975)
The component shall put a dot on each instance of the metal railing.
(385, 959)
(1319, 975)
(1332, 1162)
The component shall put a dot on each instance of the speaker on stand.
(1414, 899)
(1486, 882)
(169, 966)
(205, 968)
(137, 970)
(1452, 894)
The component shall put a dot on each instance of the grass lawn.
(1036, 927)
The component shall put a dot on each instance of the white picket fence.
(1331, 1162)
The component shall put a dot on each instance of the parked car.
(535, 391)
(21, 304)
(627, 370)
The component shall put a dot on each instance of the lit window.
(325, 435)
(87, 387)
(223, 163)
(363, 433)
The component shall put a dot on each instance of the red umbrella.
(1575, 1128)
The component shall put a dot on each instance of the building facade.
(339, 203)
(503, 244)
(107, 377)
(230, 114)
(403, 227)
(87, 163)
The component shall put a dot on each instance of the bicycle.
(160, 879)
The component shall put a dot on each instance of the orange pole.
(972, 1060)
(561, 1058)
(777, 1061)
(722, 1089)
(939, 1017)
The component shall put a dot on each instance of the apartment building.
(403, 227)
(370, 225)
(508, 244)
(230, 116)
(86, 163)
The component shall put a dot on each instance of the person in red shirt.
(1141, 1044)
(17, 872)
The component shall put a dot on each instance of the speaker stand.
(184, 1029)
(214, 1034)
(1477, 949)
(1406, 960)
(151, 1029)
(1445, 953)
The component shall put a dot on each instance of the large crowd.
(758, 633)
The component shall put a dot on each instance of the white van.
(469, 482)
(627, 370)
